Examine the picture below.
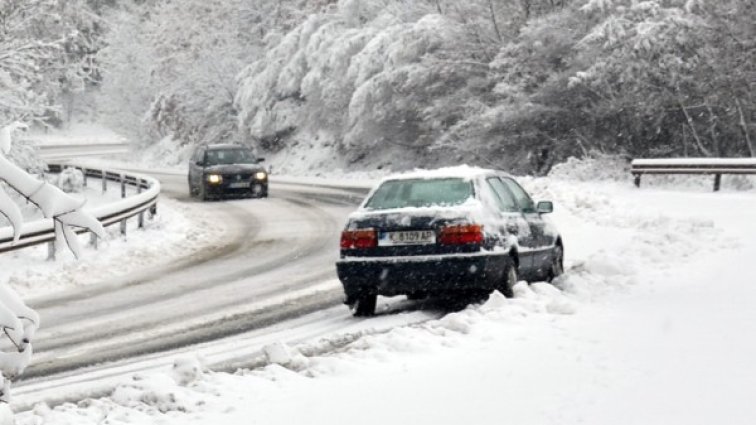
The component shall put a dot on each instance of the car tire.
(557, 263)
(364, 305)
(263, 193)
(509, 279)
(415, 296)
(202, 193)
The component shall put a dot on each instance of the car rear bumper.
(431, 274)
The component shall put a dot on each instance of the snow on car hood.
(460, 171)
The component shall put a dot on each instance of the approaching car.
(450, 231)
(226, 170)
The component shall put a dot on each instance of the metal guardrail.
(699, 166)
(145, 200)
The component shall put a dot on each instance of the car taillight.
(461, 234)
(358, 239)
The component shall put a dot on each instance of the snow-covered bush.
(168, 152)
(71, 180)
(593, 168)
(24, 154)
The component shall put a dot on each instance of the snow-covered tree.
(663, 59)
(171, 67)
(501, 82)
(367, 76)
(46, 55)
(128, 85)
(18, 322)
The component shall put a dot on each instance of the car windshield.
(229, 156)
(420, 193)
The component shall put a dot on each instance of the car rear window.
(420, 193)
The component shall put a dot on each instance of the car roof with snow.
(220, 146)
(460, 171)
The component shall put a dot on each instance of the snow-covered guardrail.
(144, 201)
(706, 166)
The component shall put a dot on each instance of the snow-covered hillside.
(378, 83)
(650, 320)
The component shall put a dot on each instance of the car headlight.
(261, 175)
(214, 178)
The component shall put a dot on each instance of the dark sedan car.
(226, 170)
(446, 232)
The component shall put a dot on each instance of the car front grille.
(236, 177)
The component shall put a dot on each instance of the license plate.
(414, 237)
(238, 185)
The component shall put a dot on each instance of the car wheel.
(557, 263)
(202, 193)
(364, 305)
(259, 191)
(417, 296)
(508, 281)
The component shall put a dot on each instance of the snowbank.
(617, 169)
(177, 231)
(76, 134)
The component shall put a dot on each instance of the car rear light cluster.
(461, 234)
(359, 239)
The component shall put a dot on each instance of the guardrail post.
(123, 185)
(123, 227)
(104, 182)
(717, 182)
(51, 251)
(84, 172)
(141, 214)
(93, 240)
(637, 180)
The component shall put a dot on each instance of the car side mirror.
(545, 207)
(200, 163)
(259, 160)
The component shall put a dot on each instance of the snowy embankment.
(76, 134)
(175, 232)
(652, 324)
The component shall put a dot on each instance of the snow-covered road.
(276, 248)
